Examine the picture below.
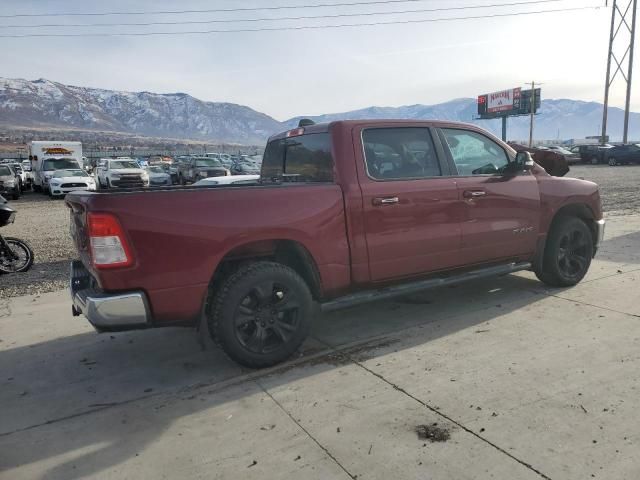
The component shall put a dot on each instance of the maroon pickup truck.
(343, 213)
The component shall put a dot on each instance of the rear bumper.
(106, 311)
(600, 224)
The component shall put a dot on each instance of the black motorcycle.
(15, 255)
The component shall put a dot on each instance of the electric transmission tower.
(623, 21)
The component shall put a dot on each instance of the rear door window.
(301, 159)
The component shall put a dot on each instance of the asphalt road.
(44, 223)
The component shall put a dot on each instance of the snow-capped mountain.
(47, 104)
(556, 119)
(178, 115)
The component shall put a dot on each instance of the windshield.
(155, 170)
(4, 171)
(70, 173)
(123, 164)
(51, 164)
(208, 162)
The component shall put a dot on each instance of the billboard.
(504, 103)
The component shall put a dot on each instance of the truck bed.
(179, 236)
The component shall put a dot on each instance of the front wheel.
(261, 314)
(568, 253)
(613, 162)
(15, 256)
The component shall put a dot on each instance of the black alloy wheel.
(567, 254)
(261, 314)
(266, 318)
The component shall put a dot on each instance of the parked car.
(196, 168)
(240, 167)
(9, 182)
(553, 162)
(158, 175)
(570, 156)
(21, 175)
(121, 172)
(593, 154)
(624, 154)
(231, 180)
(27, 175)
(345, 213)
(65, 181)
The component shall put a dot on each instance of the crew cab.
(121, 172)
(344, 213)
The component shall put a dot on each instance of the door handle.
(378, 201)
(474, 193)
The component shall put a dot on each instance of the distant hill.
(42, 103)
(563, 119)
(45, 104)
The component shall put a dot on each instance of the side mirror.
(524, 161)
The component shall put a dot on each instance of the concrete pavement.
(528, 382)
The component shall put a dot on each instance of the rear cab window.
(303, 158)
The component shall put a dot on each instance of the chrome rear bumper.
(106, 311)
(600, 224)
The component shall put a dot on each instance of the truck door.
(411, 211)
(501, 210)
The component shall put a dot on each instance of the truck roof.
(348, 124)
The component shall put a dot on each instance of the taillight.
(296, 132)
(109, 247)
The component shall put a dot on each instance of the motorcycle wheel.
(24, 255)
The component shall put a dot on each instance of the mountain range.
(46, 104)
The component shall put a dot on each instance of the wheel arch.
(291, 253)
(575, 209)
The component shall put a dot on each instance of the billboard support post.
(533, 103)
(504, 128)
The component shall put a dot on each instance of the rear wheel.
(261, 314)
(568, 253)
(18, 259)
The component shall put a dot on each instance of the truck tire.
(261, 314)
(567, 254)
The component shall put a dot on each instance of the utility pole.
(618, 20)
(504, 128)
(533, 109)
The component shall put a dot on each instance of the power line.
(308, 17)
(215, 10)
(305, 27)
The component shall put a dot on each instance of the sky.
(324, 70)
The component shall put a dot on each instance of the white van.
(48, 156)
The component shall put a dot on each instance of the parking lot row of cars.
(64, 175)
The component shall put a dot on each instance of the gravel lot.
(44, 223)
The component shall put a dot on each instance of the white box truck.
(48, 156)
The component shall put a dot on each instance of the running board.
(412, 287)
